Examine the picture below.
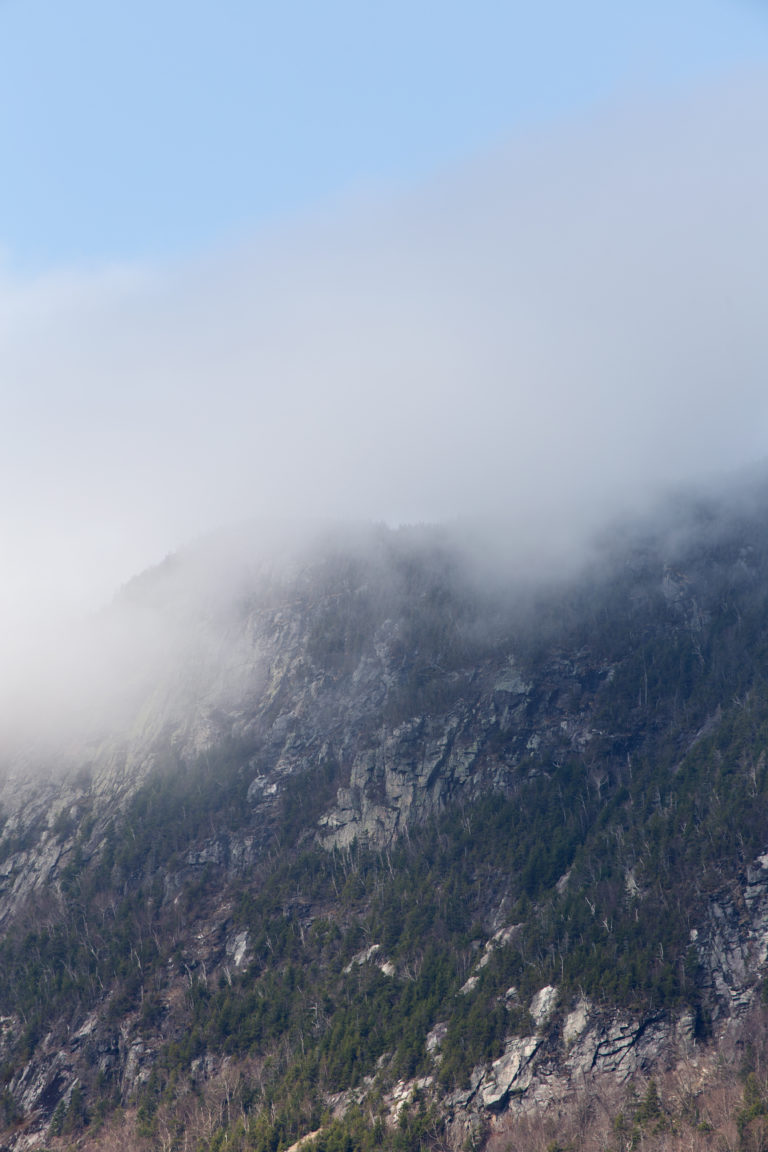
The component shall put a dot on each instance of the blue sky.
(161, 128)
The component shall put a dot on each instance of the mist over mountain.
(552, 335)
(384, 665)
(175, 629)
(378, 838)
(383, 577)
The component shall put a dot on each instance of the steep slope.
(386, 851)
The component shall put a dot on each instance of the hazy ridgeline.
(179, 632)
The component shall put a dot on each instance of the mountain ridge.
(403, 845)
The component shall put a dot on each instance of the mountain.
(377, 839)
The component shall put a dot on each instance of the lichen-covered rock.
(543, 1005)
(512, 1072)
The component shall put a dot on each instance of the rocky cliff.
(377, 843)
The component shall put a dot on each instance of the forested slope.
(404, 856)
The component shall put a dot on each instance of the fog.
(547, 337)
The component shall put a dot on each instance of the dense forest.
(204, 962)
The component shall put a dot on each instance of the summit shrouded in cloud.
(383, 575)
(547, 331)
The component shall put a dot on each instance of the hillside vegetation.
(331, 899)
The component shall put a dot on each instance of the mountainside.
(387, 846)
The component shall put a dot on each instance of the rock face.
(352, 696)
(546, 1069)
(278, 671)
(543, 1005)
(512, 1072)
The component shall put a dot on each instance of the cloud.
(545, 336)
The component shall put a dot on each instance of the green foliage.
(602, 851)
(9, 1112)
